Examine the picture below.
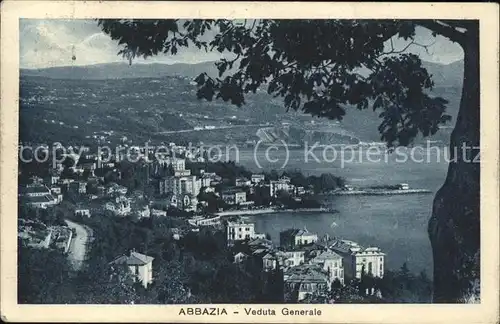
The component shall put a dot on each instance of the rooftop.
(34, 189)
(297, 232)
(327, 255)
(350, 247)
(134, 258)
(40, 199)
(306, 273)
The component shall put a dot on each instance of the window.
(240, 229)
(335, 273)
(247, 229)
(335, 264)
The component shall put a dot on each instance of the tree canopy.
(321, 67)
(326, 67)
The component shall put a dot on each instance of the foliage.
(43, 275)
(404, 287)
(395, 287)
(49, 216)
(349, 66)
(226, 170)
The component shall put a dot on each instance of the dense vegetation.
(197, 268)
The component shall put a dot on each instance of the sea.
(395, 223)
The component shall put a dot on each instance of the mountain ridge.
(443, 74)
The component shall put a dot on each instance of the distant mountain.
(122, 71)
(119, 97)
(446, 75)
(449, 75)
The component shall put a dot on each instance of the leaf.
(200, 79)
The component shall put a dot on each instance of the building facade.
(332, 263)
(234, 197)
(239, 231)
(140, 265)
(357, 259)
(292, 238)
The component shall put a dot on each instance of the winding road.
(78, 246)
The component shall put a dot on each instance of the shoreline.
(274, 211)
(371, 192)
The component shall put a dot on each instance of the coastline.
(273, 211)
(378, 192)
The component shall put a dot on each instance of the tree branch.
(442, 28)
(393, 51)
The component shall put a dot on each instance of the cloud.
(54, 42)
(46, 43)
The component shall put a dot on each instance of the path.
(78, 247)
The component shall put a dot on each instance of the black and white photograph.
(249, 161)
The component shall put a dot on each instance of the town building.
(242, 182)
(171, 201)
(403, 186)
(180, 185)
(240, 257)
(282, 184)
(116, 189)
(260, 243)
(234, 196)
(182, 173)
(78, 187)
(54, 177)
(304, 280)
(55, 190)
(82, 212)
(209, 179)
(331, 263)
(140, 265)
(239, 231)
(158, 213)
(121, 206)
(357, 259)
(257, 178)
(141, 210)
(291, 258)
(189, 202)
(202, 221)
(38, 195)
(61, 238)
(269, 260)
(34, 190)
(293, 238)
(34, 233)
(177, 164)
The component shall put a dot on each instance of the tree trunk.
(454, 228)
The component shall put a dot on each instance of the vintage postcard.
(225, 162)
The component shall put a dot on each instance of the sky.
(52, 42)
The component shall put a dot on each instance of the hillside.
(140, 101)
(449, 75)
